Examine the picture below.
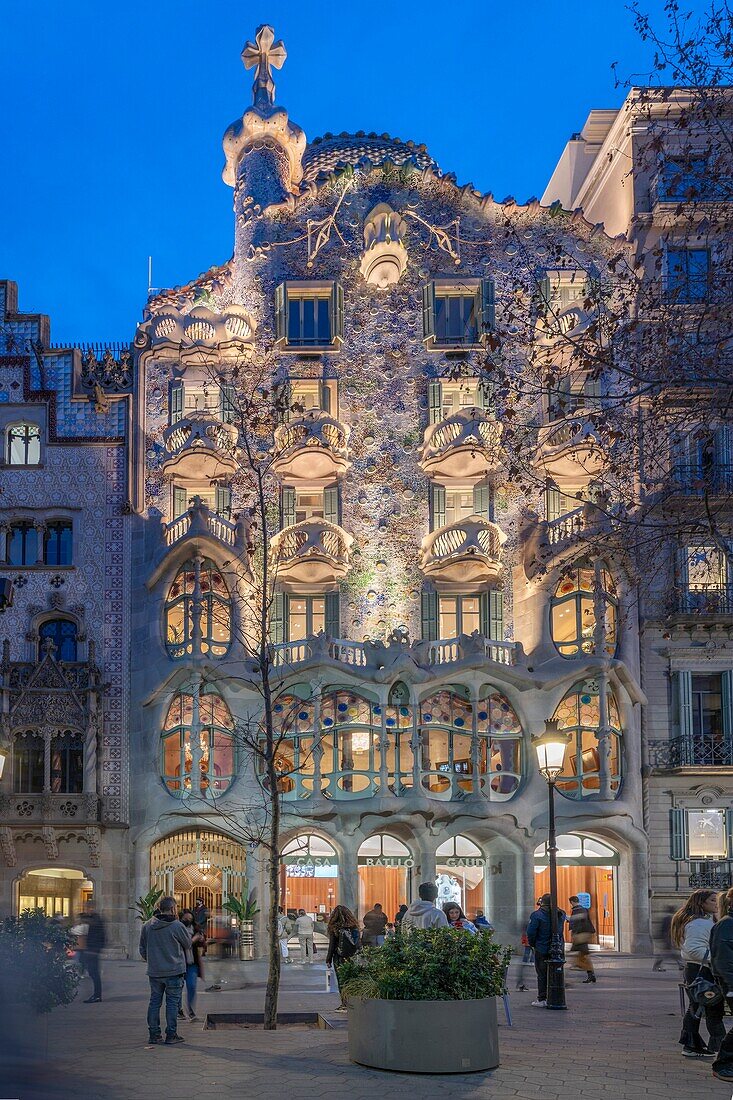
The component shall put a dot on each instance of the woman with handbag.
(343, 942)
(582, 932)
(690, 930)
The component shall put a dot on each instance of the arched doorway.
(309, 876)
(384, 873)
(588, 868)
(459, 874)
(195, 864)
(54, 890)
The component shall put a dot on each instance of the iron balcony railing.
(705, 599)
(691, 752)
(693, 480)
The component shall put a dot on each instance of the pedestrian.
(539, 937)
(375, 924)
(343, 942)
(95, 941)
(721, 964)
(164, 942)
(423, 913)
(79, 930)
(481, 922)
(194, 963)
(527, 960)
(457, 918)
(663, 938)
(284, 928)
(582, 931)
(390, 931)
(690, 930)
(201, 915)
(398, 917)
(304, 930)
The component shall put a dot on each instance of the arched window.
(22, 544)
(62, 633)
(28, 763)
(579, 714)
(199, 591)
(23, 445)
(57, 543)
(352, 729)
(573, 611)
(216, 745)
(459, 874)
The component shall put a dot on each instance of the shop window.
(216, 744)
(579, 714)
(309, 315)
(459, 874)
(22, 544)
(199, 591)
(458, 313)
(23, 445)
(57, 544)
(67, 764)
(573, 611)
(28, 764)
(62, 633)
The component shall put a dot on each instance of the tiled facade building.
(418, 646)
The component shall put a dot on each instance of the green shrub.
(432, 964)
(34, 961)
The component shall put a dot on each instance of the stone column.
(197, 607)
(47, 733)
(40, 527)
(195, 735)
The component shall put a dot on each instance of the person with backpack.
(691, 930)
(343, 942)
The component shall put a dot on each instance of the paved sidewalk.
(618, 1041)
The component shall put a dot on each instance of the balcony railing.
(200, 446)
(47, 808)
(365, 655)
(199, 520)
(675, 187)
(463, 445)
(570, 451)
(314, 445)
(467, 551)
(694, 481)
(691, 752)
(312, 551)
(704, 599)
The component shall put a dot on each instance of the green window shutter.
(180, 501)
(723, 457)
(224, 501)
(437, 506)
(281, 317)
(285, 400)
(729, 831)
(287, 498)
(325, 398)
(726, 683)
(488, 306)
(428, 311)
(544, 292)
(337, 311)
(278, 618)
(435, 402)
(486, 395)
(684, 702)
(331, 503)
(429, 615)
(553, 503)
(227, 409)
(677, 837)
(482, 501)
(333, 623)
(176, 401)
(491, 611)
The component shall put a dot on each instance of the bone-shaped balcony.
(313, 445)
(466, 444)
(466, 552)
(201, 447)
(571, 452)
(314, 551)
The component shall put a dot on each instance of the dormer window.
(309, 315)
(458, 313)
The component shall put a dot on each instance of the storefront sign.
(464, 861)
(310, 861)
(386, 861)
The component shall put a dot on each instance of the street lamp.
(550, 748)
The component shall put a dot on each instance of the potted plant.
(245, 909)
(425, 1002)
(145, 906)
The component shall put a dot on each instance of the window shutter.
(176, 400)
(331, 503)
(552, 494)
(488, 306)
(729, 831)
(482, 501)
(428, 311)
(278, 617)
(723, 457)
(435, 402)
(491, 610)
(288, 506)
(325, 398)
(285, 400)
(486, 395)
(429, 615)
(337, 312)
(333, 624)
(227, 408)
(437, 506)
(726, 683)
(544, 290)
(677, 838)
(281, 317)
(684, 702)
(180, 501)
(224, 501)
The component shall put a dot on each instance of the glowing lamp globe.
(550, 748)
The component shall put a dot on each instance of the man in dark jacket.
(539, 938)
(375, 924)
(96, 939)
(721, 964)
(164, 943)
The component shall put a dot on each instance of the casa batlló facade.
(417, 648)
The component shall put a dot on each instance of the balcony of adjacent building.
(667, 754)
(467, 551)
(687, 183)
(463, 436)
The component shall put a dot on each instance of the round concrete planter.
(424, 1036)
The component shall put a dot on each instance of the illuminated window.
(458, 615)
(306, 616)
(67, 763)
(573, 616)
(198, 591)
(457, 313)
(216, 744)
(28, 764)
(579, 715)
(23, 445)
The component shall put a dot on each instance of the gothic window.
(57, 543)
(63, 634)
(22, 544)
(198, 593)
(23, 445)
(28, 764)
(573, 611)
(579, 714)
(67, 763)
(216, 747)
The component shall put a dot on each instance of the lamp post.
(550, 748)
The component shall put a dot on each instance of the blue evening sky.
(113, 116)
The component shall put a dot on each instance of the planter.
(424, 1036)
(247, 940)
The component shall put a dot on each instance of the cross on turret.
(266, 54)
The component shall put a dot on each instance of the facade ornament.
(93, 840)
(384, 258)
(265, 54)
(7, 846)
(447, 237)
(51, 843)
